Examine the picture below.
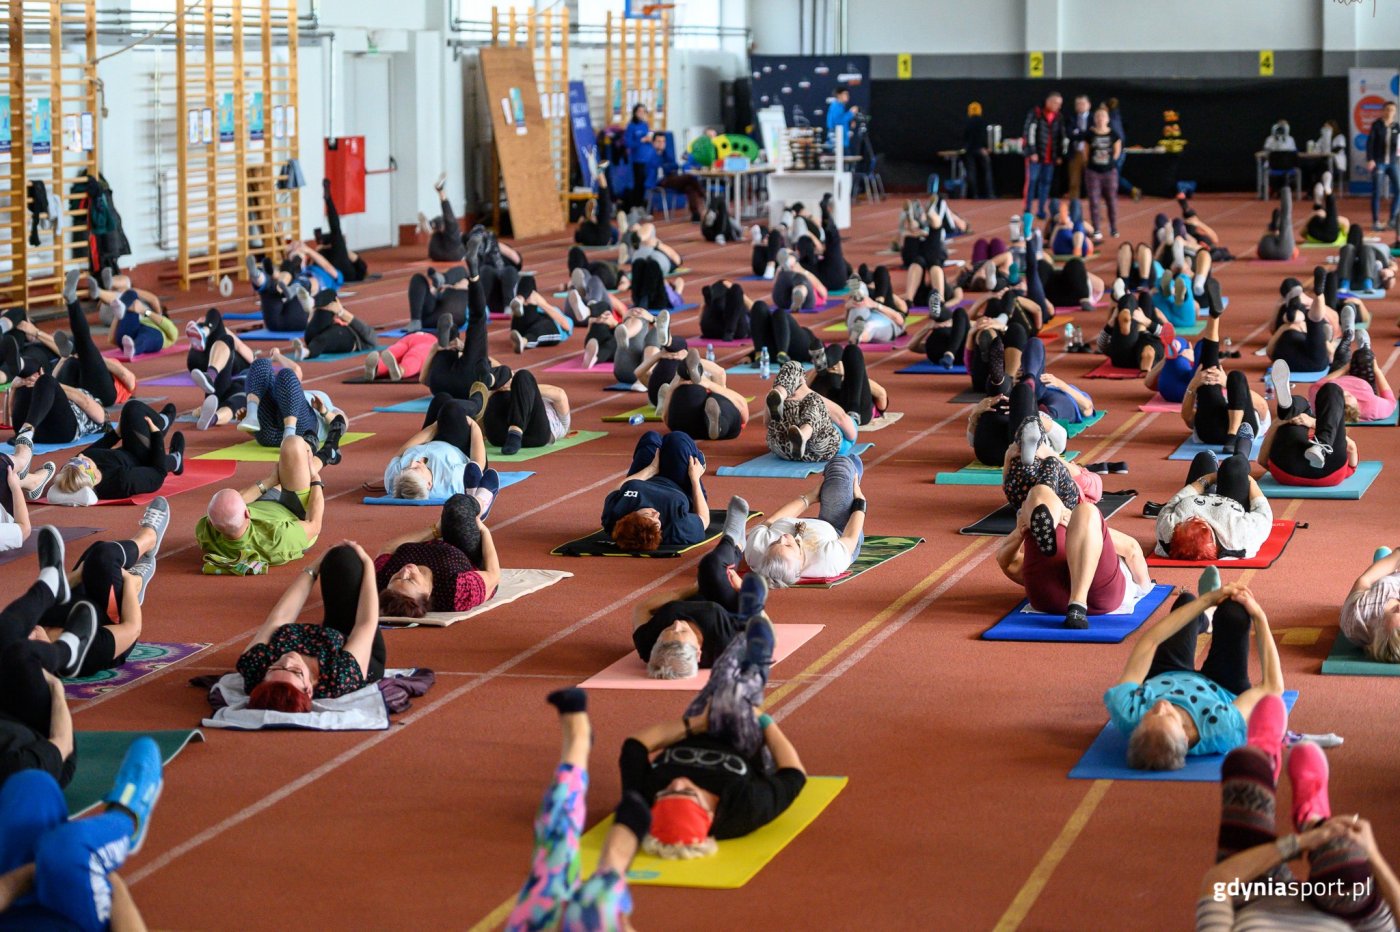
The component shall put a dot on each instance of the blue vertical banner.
(581, 126)
(6, 134)
(226, 120)
(256, 118)
(43, 126)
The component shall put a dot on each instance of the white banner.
(1368, 90)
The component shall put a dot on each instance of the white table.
(808, 187)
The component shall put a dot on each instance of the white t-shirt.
(1235, 528)
(1362, 610)
(11, 536)
(825, 555)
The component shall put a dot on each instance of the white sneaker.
(1317, 454)
(392, 364)
(517, 340)
(590, 354)
(250, 419)
(208, 412)
(719, 240)
(769, 271)
(1281, 377)
(756, 234)
(129, 348)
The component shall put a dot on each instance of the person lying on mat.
(1307, 342)
(802, 425)
(1136, 268)
(534, 321)
(444, 232)
(131, 460)
(270, 523)
(1220, 407)
(47, 411)
(423, 572)
(794, 287)
(678, 633)
(654, 287)
(333, 244)
(1182, 286)
(1070, 561)
(217, 361)
(698, 402)
(1371, 613)
(553, 895)
(1031, 461)
(432, 463)
(821, 255)
(722, 770)
(1364, 266)
(1353, 887)
(458, 359)
(668, 363)
(943, 339)
(1070, 285)
(776, 330)
(767, 242)
(1324, 224)
(289, 663)
(521, 412)
(1067, 232)
(1219, 514)
(286, 294)
(596, 228)
(332, 329)
(632, 345)
(24, 348)
(880, 286)
(787, 548)
(1303, 448)
(993, 424)
(661, 501)
(869, 321)
(402, 360)
(79, 362)
(113, 576)
(59, 872)
(839, 374)
(36, 730)
(1132, 336)
(1170, 710)
(1064, 402)
(1365, 389)
(19, 485)
(277, 407)
(724, 311)
(717, 578)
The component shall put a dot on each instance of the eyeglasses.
(706, 757)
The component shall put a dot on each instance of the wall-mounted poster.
(6, 135)
(206, 126)
(43, 126)
(226, 122)
(256, 126)
(517, 110)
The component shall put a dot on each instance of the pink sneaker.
(1307, 770)
(1267, 723)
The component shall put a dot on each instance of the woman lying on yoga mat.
(587, 296)
(717, 579)
(1303, 449)
(776, 329)
(1032, 460)
(1168, 709)
(1132, 337)
(1219, 406)
(802, 425)
(402, 360)
(992, 425)
(217, 360)
(839, 374)
(1070, 561)
(1365, 389)
(57, 872)
(521, 412)
(596, 228)
(1068, 233)
(1362, 265)
(289, 663)
(1219, 514)
(286, 295)
(630, 343)
(74, 359)
(444, 231)
(24, 348)
(455, 363)
(110, 290)
(785, 548)
(1371, 613)
(724, 311)
(1324, 225)
(722, 770)
(794, 287)
(767, 244)
(131, 460)
(610, 276)
(869, 321)
(822, 256)
(661, 500)
(332, 329)
(432, 463)
(943, 340)
(879, 286)
(1351, 885)
(348, 262)
(49, 412)
(1056, 397)
(1278, 244)
(536, 322)
(654, 286)
(113, 575)
(1198, 233)
(698, 402)
(19, 485)
(1182, 286)
(429, 571)
(553, 896)
(137, 327)
(1070, 285)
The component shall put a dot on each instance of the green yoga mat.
(100, 753)
(572, 439)
(250, 451)
(875, 550)
(1347, 659)
(1074, 430)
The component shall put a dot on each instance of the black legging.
(280, 312)
(716, 222)
(948, 339)
(324, 335)
(923, 251)
(1325, 229)
(779, 333)
(538, 326)
(784, 283)
(712, 576)
(606, 339)
(880, 286)
(1227, 658)
(1305, 352)
(830, 267)
(520, 405)
(451, 416)
(1067, 285)
(685, 411)
(85, 369)
(342, 576)
(649, 286)
(338, 252)
(996, 427)
(1291, 440)
(24, 692)
(1278, 242)
(1231, 475)
(767, 251)
(499, 284)
(46, 407)
(598, 231)
(723, 315)
(445, 242)
(198, 360)
(1214, 404)
(1126, 350)
(663, 371)
(138, 441)
(426, 305)
(850, 389)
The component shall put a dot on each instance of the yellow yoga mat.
(910, 322)
(251, 452)
(739, 859)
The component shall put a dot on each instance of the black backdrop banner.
(1223, 121)
(802, 84)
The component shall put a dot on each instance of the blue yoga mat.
(1189, 448)
(770, 466)
(335, 357)
(1391, 419)
(928, 367)
(262, 333)
(1021, 625)
(398, 333)
(416, 406)
(41, 448)
(241, 315)
(1351, 488)
(619, 387)
(1372, 294)
(507, 479)
(748, 368)
(968, 477)
(1299, 378)
(1203, 311)
(1107, 759)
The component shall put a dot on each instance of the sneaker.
(129, 348)
(820, 361)
(759, 639)
(36, 493)
(1308, 772)
(202, 381)
(414, 326)
(195, 334)
(143, 568)
(855, 288)
(49, 548)
(177, 452)
(769, 271)
(518, 341)
(590, 354)
(1076, 617)
(775, 401)
(1281, 377)
(1244, 441)
(64, 342)
(299, 350)
(946, 360)
(663, 329)
(514, 440)
(137, 787)
(441, 183)
(693, 370)
(82, 624)
(329, 454)
(476, 399)
(424, 227)
(157, 518)
(1317, 453)
(1098, 236)
(1347, 317)
(1029, 437)
(1120, 288)
(756, 234)
(392, 364)
(208, 412)
(255, 274)
(517, 307)
(855, 330)
(70, 286)
(445, 326)
(1042, 529)
(712, 412)
(578, 308)
(371, 367)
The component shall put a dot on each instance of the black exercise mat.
(967, 398)
(598, 544)
(1003, 521)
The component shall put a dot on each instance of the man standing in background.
(1045, 140)
(1078, 135)
(1381, 162)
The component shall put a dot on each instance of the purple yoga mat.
(146, 658)
(68, 533)
(179, 379)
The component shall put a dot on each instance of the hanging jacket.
(38, 210)
(105, 239)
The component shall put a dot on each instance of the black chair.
(1283, 165)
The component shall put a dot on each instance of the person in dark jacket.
(977, 159)
(1045, 145)
(1383, 160)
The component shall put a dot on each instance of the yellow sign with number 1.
(1037, 64)
(1266, 63)
(904, 66)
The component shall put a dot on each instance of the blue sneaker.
(753, 594)
(487, 490)
(138, 786)
(760, 641)
(471, 475)
(1380, 554)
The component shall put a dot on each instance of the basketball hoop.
(651, 9)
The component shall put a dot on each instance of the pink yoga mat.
(575, 364)
(179, 379)
(116, 351)
(631, 673)
(1160, 405)
(1107, 370)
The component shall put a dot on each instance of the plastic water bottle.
(1078, 337)
(1069, 334)
(636, 419)
(710, 352)
(765, 370)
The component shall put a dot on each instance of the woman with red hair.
(289, 663)
(1220, 513)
